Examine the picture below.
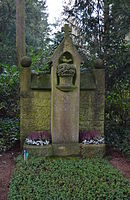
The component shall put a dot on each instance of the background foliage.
(37, 28)
(100, 30)
(9, 106)
(39, 46)
(9, 133)
(9, 91)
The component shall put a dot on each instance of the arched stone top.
(66, 49)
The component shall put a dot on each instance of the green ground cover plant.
(67, 178)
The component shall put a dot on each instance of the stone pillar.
(25, 101)
(25, 75)
(65, 76)
(99, 97)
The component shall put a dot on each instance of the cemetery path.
(121, 163)
(7, 166)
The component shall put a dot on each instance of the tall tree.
(103, 26)
(7, 31)
(36, 28)
(20, 29)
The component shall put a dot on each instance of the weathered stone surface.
(43, 81)
(40, 81)
(26, 61)
(66, 149)
(65, 69)
(63, 102)
(92, 104)
(81, 150)
(98, 64)
(44, 151)
(87, 81)
(65, 105)
(35, 106)
(25, 80)
(100, 79)
(35, 113)
(92, 151)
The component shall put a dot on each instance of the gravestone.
(63, 103)
(65, 80)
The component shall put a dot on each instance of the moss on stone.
(58, 110)
(35, 113)
(44, 151)
(73, 149)
(41, 81)
(92, 150)
(87, 81)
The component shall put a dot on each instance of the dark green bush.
(117, 134)
(9, 91)
(118, 137)
(117, 104)
(67, 179)
(9, 133)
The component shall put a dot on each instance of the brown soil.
(7, 165)
(120, 162)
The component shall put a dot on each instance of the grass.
(69, 179)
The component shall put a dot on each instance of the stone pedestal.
(65, 116)
(75, 149)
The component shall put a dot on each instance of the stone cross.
(67, 30)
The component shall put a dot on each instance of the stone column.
(65, 76)
(99, 96)
(25, 101)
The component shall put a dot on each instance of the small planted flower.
(99, 140)
(39, 138)
(91, 137)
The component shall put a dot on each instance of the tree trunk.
(20, 30)
(106, 20)
(106, 35)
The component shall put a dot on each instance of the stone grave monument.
(62, 103)
(65, 77)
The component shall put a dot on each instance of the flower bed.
(91, 137)
(38, 138)
(99, 140)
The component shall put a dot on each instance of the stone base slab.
(74, 149)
